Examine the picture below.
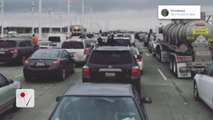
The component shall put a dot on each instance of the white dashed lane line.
(18, 76)
(147, 54)
(162, 74)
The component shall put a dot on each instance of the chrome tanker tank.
(185, 32)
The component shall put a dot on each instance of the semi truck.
(186, 46)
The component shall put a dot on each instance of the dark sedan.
(90, 101)
(55, 63)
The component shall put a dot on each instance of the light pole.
(40, 13)
(68, 12)
(82, 12)
(32, 10)
(50, 16)
(2, 18)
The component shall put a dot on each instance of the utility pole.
(40, 13)
(68, 12)
(2, 18)
(82, 13)
(32, 10)
(50, 16)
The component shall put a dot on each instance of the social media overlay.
(179, 11)
(25, 98)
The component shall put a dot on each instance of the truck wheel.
(175, 68)
(170, 65)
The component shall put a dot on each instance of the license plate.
(40, 64)
(76, 57)
(184, 74)
(110, 74)
(1, 52)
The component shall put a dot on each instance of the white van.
(57, 39)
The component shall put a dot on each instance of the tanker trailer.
(186, 46)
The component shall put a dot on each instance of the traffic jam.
(162, 74)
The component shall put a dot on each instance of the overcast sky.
(116, 14)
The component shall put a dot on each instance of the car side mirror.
(146, 100)
(58, 98)
(10, 81)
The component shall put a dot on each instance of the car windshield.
(43, 43)
(7, 44)
(114, 57)
(46, 54)
(96, 108)
(73, 45)
(89, 42)
(122, 42)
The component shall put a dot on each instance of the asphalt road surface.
(172, 97)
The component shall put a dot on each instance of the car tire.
(14, 106)
(27, 78)
(195, 92)
(84, 80)
(62, 75)
(141, 72)
(22, 60)
(138, 88)
(73, 69)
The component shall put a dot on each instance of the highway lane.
(172, 97)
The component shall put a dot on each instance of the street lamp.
(40, 12)
(2, 17)
(68, 12)
(32, 10)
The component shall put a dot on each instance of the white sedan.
(203, 86)
(7, 93)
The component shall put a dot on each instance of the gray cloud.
(97, 5)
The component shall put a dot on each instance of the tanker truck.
(186, 46)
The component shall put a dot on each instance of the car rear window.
(113, 57)
(73, 45)
(54, 39)
(122, 42)
(46, 54)
(7, 44)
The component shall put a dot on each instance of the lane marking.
(162, 74)
(147, 54)
(18, 75)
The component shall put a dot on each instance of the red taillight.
(85, 51)
(181, 58)
(85, 71)
(136, 71)
(26, 62)
(57, 62)
(139, 60)
(13, 51)
(43, 47)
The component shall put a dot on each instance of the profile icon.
(164, 12)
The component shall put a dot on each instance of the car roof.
(112, 48)
(15, 39)
(100, 89)
(60, 50)
(74, 40)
